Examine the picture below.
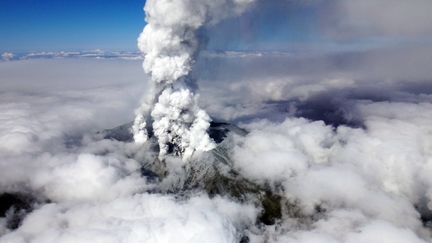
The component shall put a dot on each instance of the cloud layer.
(342, 139)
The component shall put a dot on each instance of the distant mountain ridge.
(126, 55)
(96, 54)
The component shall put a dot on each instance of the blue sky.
(64, 24)
(52, 25)
(36, 25)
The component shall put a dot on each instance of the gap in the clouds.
(425, 212)
(15, 206)
(332, 111)
(339, 106)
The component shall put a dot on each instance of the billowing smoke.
(170, 44)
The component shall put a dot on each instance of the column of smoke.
(170, 45)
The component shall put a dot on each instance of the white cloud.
(95, 186)
(40, 113)
(140, 218)
(371, 181)
(377, 173)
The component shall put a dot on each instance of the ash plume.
(170, 44)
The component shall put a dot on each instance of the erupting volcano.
(170, 44)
